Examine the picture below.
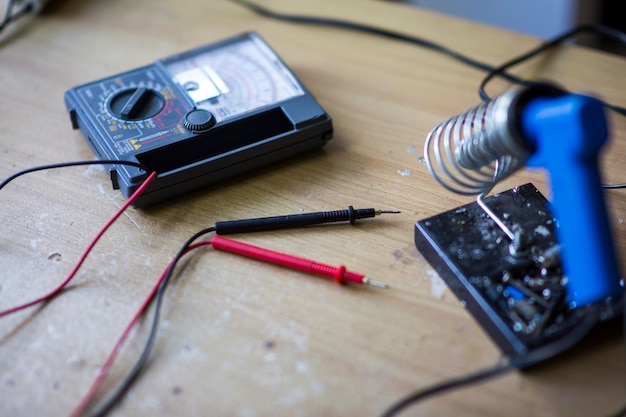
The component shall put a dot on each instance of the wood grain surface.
(242, 338)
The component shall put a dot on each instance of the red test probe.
(339, 274)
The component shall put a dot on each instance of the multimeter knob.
(136, 103)
(198, 120)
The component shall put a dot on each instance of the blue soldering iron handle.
(568, 133)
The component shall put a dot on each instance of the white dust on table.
(437, 285)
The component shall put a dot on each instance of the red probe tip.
(374, 283)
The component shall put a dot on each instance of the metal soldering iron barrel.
(502, 133)
(295, 220)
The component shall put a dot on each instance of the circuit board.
(514, 289)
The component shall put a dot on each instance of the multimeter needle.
(339, 274)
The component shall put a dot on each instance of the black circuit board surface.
(514, 289)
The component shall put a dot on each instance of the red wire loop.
(83, 257)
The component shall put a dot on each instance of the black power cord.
(492, 71)
(521, 362)
(372, 30)
(601, 30)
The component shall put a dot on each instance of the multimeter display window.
(234, 79)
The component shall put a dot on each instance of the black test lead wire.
(227, 227)
(120, 211)
(122, 388)
(70, 164)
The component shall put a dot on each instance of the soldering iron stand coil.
(539, 126)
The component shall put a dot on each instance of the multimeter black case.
(198, 117)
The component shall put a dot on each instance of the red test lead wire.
(104, 369)
(339, 274)
(82, 259)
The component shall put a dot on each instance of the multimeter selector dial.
(136, 103)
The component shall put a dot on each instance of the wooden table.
(242, 338)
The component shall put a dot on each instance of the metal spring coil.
(470, 152)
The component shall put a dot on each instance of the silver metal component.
(495, 217)
(519, 246)
(374, 283)
(469, 153)
(379, 212)
(550, 257)
(201, 83)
